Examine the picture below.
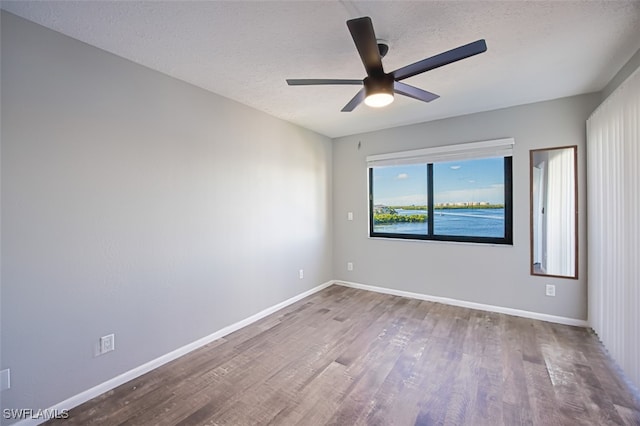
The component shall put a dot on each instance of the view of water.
(455, 222)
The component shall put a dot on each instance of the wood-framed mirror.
(554, 211)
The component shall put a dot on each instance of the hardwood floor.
(352, 357)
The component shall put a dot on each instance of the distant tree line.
(452, 207)
(389, 214)
(474, 206)
(384, 218)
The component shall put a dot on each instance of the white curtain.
(538, 206)
(613, 210)
(560, 214)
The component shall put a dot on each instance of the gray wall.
(494, 275)
(136, 204)
(627, 69)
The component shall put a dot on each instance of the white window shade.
(613, 224)
(464, 151)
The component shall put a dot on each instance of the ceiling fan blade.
(444, 58)
(353, 103)
(364, 37)
(413, 92)
(320, 81)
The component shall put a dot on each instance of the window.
(455, 193)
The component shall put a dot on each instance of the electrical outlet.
(107, 343)
(5, 379)
(350, 216)
(301, 273)
(550, 290)
(349, 266)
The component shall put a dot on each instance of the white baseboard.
(85, 396)
(471, 305)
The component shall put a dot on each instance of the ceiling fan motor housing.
(378, 84)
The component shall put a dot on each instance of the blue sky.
(460, 181)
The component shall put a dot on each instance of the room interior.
(161, 183)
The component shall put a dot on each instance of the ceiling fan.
(379, 87)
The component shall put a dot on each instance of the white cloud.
(402, 176)
(455, 167)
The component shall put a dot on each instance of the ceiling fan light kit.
(378, 91)
(380, 87)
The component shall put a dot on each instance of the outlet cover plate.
(5, 379)
(107, 343)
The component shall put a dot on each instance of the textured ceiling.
(537, 50)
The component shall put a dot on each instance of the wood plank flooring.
(352, 357)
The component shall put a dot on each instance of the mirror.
(554, 215)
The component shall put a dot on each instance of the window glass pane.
(468, 198)
(400, 199)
